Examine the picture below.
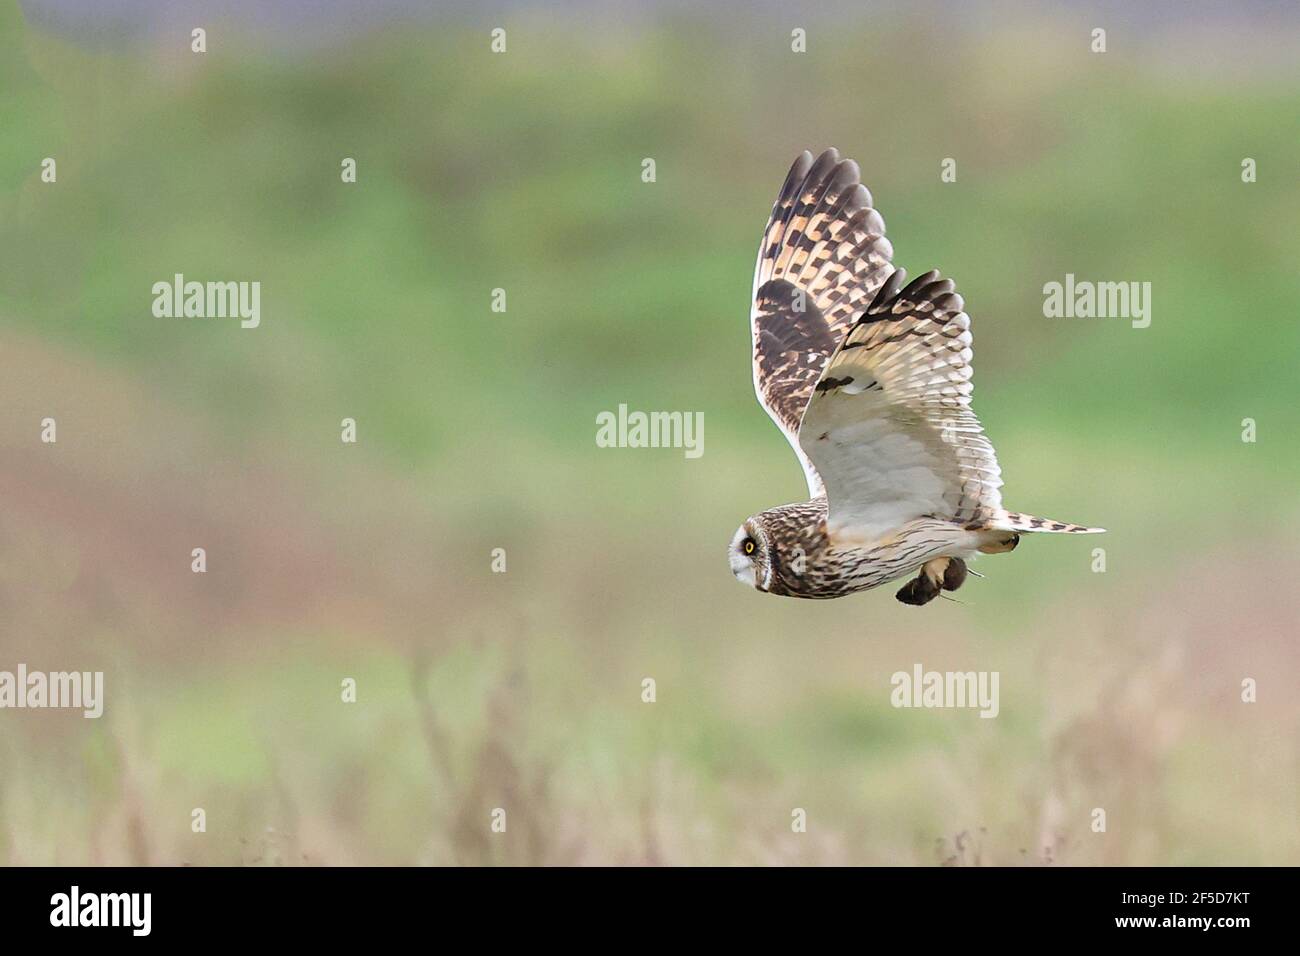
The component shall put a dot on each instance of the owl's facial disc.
(744, 555)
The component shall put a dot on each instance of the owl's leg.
(1007, 542)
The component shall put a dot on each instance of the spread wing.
(890, 428)
(823, 257)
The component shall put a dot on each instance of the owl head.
(750, 556)
(783, 550)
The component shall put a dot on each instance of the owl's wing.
(823, 257)
(890, 428)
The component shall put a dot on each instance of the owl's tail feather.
(1015, 521)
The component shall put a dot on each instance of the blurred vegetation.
(522, 171)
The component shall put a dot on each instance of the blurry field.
(521, 690)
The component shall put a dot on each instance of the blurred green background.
(522, 690)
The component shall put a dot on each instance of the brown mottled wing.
(890, 428)
(823, 257)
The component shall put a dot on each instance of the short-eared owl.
(869, 378)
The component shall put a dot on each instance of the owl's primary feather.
(870, 381)
(823, 256)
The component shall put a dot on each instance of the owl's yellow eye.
(748, 546)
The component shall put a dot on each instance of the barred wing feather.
(889, 428)
(823, 257)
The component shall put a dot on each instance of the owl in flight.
(869, 377)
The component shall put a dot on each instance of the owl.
(869, 378)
